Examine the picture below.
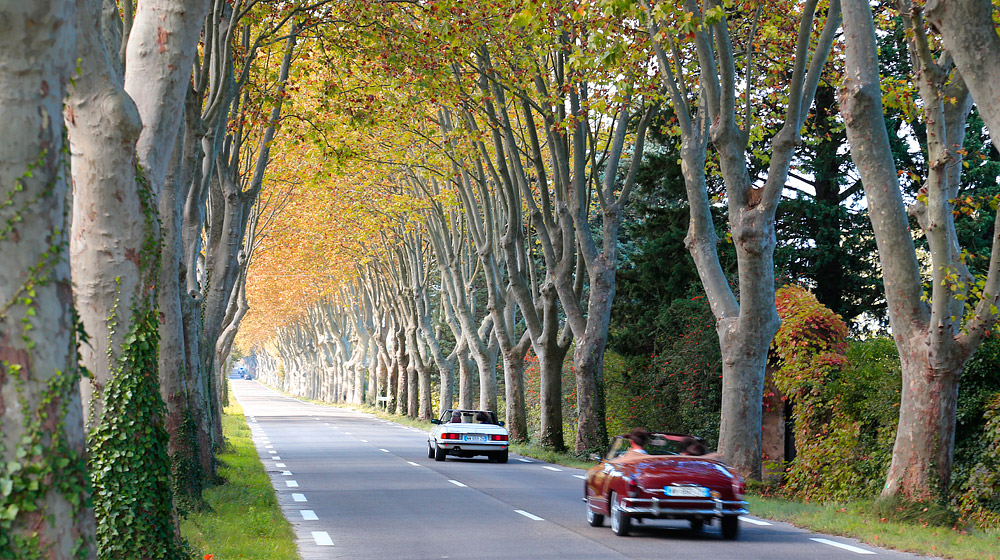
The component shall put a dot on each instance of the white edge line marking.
(291, 484)
(581, 477)
(524, 460)
(308, 515)
(322, 538)
(412, 463)
(553, 469)
(528, 515)
(299, 497)
(457, 483)
(753, 521)
(842, 545)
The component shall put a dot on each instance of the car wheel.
(500, 456)
(730, 527)
(430, 450)
(439, 453)
(593, 518)
(620, 523)
(697, 524)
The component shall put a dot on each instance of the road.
(358, 487)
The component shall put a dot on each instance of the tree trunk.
(969, 33)
(925, 438)
(466, 385)
(513, 375)
(40, 409)
(109, 226)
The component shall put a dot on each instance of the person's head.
(638, 436)
(691, 446)
(482, 417)
(456, 416)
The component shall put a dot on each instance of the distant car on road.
(467, 433)
(660, 482)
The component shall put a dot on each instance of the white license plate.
(686, 491)
(474, 438)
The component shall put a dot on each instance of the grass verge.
(245, 520)
(860, 520)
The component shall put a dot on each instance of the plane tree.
(939, 315)
(698, 48)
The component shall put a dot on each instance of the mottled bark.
(747, 325)
(39, 394)
(934, 338)
(109, 226)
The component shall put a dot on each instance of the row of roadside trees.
(511, 137)
(136, 139)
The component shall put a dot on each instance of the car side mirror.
(500, 423)
(435, 421)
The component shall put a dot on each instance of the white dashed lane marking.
(291, 484)
(279, 465)
(384, 450)
(286, 473)
(322, 538)
(457, 483)
(308, 515)
(843, 546)
(528, 515)
(753, 521)
(553, 469)
(412, 463)
(524, 460)
(299, 497)
(580, 476)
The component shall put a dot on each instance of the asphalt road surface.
(356, 486)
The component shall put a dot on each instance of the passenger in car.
(637, 438)
(482, 418)
(456, 417)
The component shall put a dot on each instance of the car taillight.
(739, 488)
(500, 437)
(449, 436)
(632, 487)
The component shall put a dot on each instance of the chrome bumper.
(671, 507)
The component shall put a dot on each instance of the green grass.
(245, 520)
(861, 520)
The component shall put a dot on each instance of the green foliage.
(979, 497)
(809, 350)
(678, 388)
(129, 465)
(48, 466)
(243, 519)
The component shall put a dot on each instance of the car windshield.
(657, 445)
(469, 417)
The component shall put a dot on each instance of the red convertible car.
(659, 482)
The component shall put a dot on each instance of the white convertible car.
(467, 433)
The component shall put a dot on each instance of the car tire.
(730, 527)
(439, 453)
(594, 519)
(500, 456)
(430, 450)
(697, 524)
(620, 523)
